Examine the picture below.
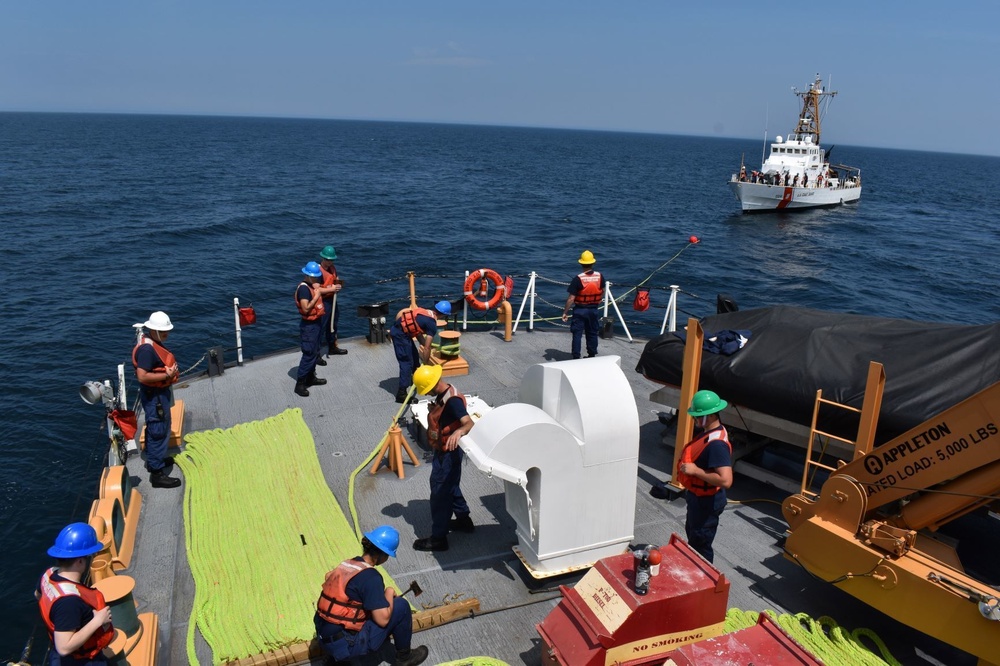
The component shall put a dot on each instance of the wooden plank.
(434, 617)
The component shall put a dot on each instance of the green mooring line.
(262, 529)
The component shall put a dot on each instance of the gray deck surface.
(348, 417)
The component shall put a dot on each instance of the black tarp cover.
(793, 351)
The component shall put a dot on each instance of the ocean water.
(105, 218)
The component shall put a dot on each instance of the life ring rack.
(484, 275)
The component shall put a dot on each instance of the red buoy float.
(484, 275)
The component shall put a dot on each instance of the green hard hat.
(328, 252)
(705, 403)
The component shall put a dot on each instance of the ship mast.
(809, 117)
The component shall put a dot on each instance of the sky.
(913, 75)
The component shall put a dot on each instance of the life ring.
(484, 274)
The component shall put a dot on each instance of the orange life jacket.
(436, 435)
(408, 321)
(329, 277)
(690, 454)
(334, 605)
(165, 356)
(591, 293)
(53, 590)
(317, 310)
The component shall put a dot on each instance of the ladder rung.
(838, 404)
(839, 439)
(821, 466)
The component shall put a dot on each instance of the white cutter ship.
(797, 173)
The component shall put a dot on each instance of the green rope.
(475, 661)
(826, 640)
(262, 529)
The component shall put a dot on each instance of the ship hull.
(758, 197)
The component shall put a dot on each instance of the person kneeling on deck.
(448, 421)
(309, 299)
(418, 325)
(156, 370)
(356, 612)
(77, 616)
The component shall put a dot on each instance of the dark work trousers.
(309, 332)
(342, 645)
(156, 408)
(702, 522)
(330, 336)
(446, 495)
(406, 356)
(585, 320)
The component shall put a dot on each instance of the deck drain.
(337, 454)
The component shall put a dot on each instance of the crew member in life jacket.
(309, 300)
(156, 370)
(448, 421)
(331, 317)
(356, 612)
(706, 471)
(77, 617)
(414, 326)
(586, 291)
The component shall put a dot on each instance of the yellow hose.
(827, 641)
(262, 529)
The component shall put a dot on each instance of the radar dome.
(778, 139)
(809, 138)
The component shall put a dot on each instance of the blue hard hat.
(444, 307)
(75, 540)
(385, 538)
(312, 269)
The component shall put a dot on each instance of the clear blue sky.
(917, 75)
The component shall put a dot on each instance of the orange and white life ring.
(484, 274)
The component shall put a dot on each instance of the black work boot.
(461, 524)
(313, 380)
(300, 388)
(159, 479)
(431, 544)
(401, 395)
(320, 360)
(337, 351)
(411, 657)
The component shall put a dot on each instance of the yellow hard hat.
(426, 377)
(587, 258)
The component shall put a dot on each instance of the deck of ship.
(348, 417)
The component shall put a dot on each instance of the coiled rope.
(824, 638)
(261, 530)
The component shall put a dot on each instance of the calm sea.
(105, 218)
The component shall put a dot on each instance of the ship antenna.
(763, 148)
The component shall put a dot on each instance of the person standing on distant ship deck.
(356, 613)
(331, 317)
(309, 300)
(586, 291)
(448, 421)
(414, 325)
(76, 615)
(706, 471)
(156, 370)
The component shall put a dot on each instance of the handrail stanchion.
(671, 313)
(531, 304)
(529, 292)
(465, 306)
(607, 298)
(239, 332)
(130, 444)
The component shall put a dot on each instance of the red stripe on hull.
(786, 199)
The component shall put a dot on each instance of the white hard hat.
(159, 321)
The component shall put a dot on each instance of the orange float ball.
(655, 557)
